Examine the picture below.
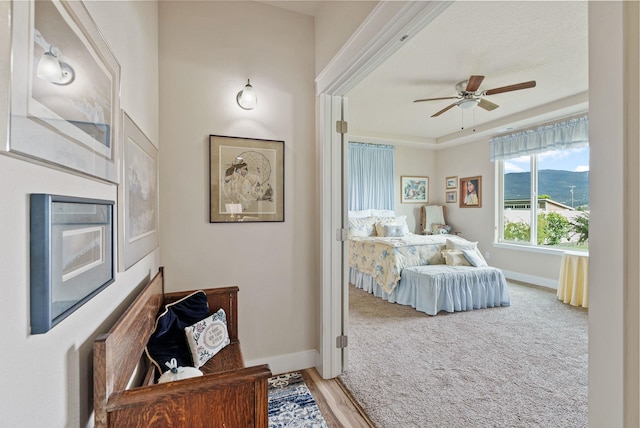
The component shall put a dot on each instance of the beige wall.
(205, 59)
(48, 377)
(335, 22)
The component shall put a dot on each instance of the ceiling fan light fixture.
(468, 103)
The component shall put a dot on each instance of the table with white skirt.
(573, 284)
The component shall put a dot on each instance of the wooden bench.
(125, 394)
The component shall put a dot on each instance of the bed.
(402, 267)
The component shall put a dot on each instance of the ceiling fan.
(469, 96)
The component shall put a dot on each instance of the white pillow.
(395, 230)
(362, 226)
(473, 258)
(359, 214)
(382, 221)
(207, 337)
(463, 244)
(455, 258)
(382, 213)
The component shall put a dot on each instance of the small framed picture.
(471, 192)
(414, 189)
(452, 196)
(452, 182)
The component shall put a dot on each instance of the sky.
(568, 160)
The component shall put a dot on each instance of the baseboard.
(532, 279)
(288, 362)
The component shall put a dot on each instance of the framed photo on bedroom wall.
(451, 183)
(414, 189)
(452, 196)
(471, 192)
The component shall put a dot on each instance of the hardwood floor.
(335, 403)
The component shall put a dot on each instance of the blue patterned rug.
(291, 404)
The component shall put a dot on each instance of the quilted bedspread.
(384, 258)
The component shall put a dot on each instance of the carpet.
(291, 404)
(519, 366)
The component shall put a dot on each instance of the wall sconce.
(247, 97)
(51, 69)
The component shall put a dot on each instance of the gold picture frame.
(451, 182)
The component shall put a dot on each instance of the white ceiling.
(506, 41)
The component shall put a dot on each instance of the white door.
(335, 292)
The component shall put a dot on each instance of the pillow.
(362, 226)
(395, 230)
(463, 244)
(359, 214)
(382, 221)
(455, 258)
(207, 337)
(168, 341)
(473, 258)
(382, 213)
(440, 229)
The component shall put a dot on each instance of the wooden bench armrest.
(196, 402)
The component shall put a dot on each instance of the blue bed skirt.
(434, 288)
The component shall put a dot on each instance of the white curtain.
(565, 134)
(371, 176)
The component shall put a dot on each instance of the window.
(544, 187)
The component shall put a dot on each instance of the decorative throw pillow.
(440, 229)
(454, 258)
(382, 221)
(168, 341)
(473, 258)
(395, 230)
(463, 244)
(207, 337)
(362, 226)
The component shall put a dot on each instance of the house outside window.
(558, 182)
(543, 186)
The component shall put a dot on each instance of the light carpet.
(519, 366)
(291, 404)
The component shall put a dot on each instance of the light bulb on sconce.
(51, 69)
(246, 98)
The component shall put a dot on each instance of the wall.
(335, 22)
(476, 224)
(202, 67)
(48, 377)
(417, 162)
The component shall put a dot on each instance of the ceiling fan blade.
(516, 87)
(487, 105)
(474, 83)
(444, 109)
(435, 99)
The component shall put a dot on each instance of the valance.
(565, 134)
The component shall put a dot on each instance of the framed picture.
(452, 196)
(137, 196)
(471, 192)
(64, 90)
(246, 179)
(414, 189)
(71, 255)
(451, 182)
